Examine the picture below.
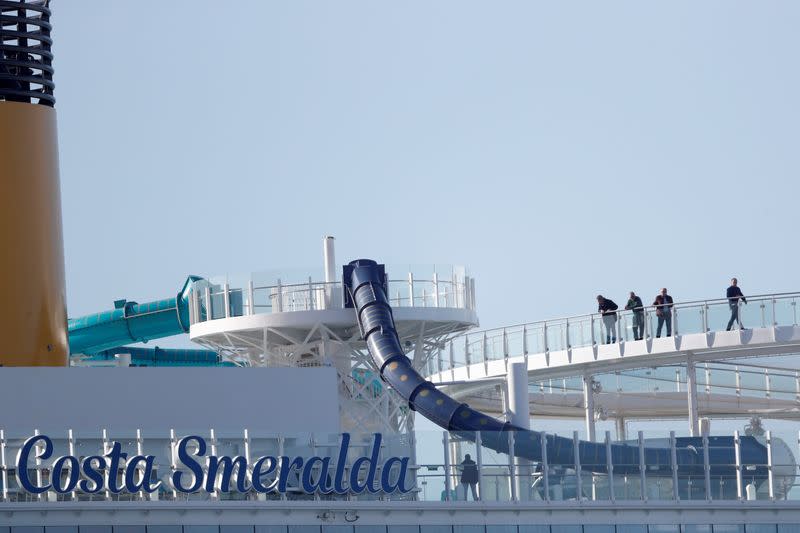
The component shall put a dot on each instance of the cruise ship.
(365, 399)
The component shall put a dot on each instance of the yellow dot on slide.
(439, 401)
(484, 421)
(424, 392)
(404, 378)
(464, 414)
(393, 366)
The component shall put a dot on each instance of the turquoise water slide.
(131, 322)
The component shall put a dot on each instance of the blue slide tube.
(131, 322)
(162, 357)
(365, 283)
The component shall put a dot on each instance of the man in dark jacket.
(635, 304)
(608, 310)
(734, 295)
(469, 476)
(663, 303)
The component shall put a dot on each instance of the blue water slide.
(131, 322)
(161, 356)
(365, 286)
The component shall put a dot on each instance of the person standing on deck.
(608, 309)
(635, 304)
(663, 303)
(469, 477)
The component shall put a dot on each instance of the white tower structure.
(303, 323)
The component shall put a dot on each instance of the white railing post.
(577, 454)
(774, 314)
(591, 328)
(737, 450)
(797, 386)
(770, 466)
(479, 461)
(566, 335)
(705, 317)
(738, 382)
(767, 383)
(279, 297)
(173, 460)
(209, 307)
(140, 452)
(3, 466)
(485, 351)
(610, 468)
(763, 315)
(213, 435)
(435, 289)
(545, 466)
(512, 468)
(310, 295)
(226, 297)
(673, 461)
(106, 449)
(642, 468)
(525, 342)
(447, 484)
(674, 312)
(411, 288)
(706, 466)
(251, 294)
(544, 337)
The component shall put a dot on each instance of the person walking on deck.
(608, 309)
(734, 294)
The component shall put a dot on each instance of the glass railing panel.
(515, 341)
(580, 333)
(534, 338)
(556, 336)
(756, 313)
(753, 382)
(719, 313)
(786, 311)
(494, 346)
(688, 320)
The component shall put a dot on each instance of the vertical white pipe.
(446, 447)
(518, 400)
(519, 414)
(621, 433)
(329, 259)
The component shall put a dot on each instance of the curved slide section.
(365, 282)
(131, 322)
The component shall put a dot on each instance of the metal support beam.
(621, 432)
(691, 389)
(519, 414)
(588, 406)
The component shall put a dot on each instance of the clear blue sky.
(559, 149)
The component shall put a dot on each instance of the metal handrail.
(652, 308)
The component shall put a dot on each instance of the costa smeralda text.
(197, 471)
